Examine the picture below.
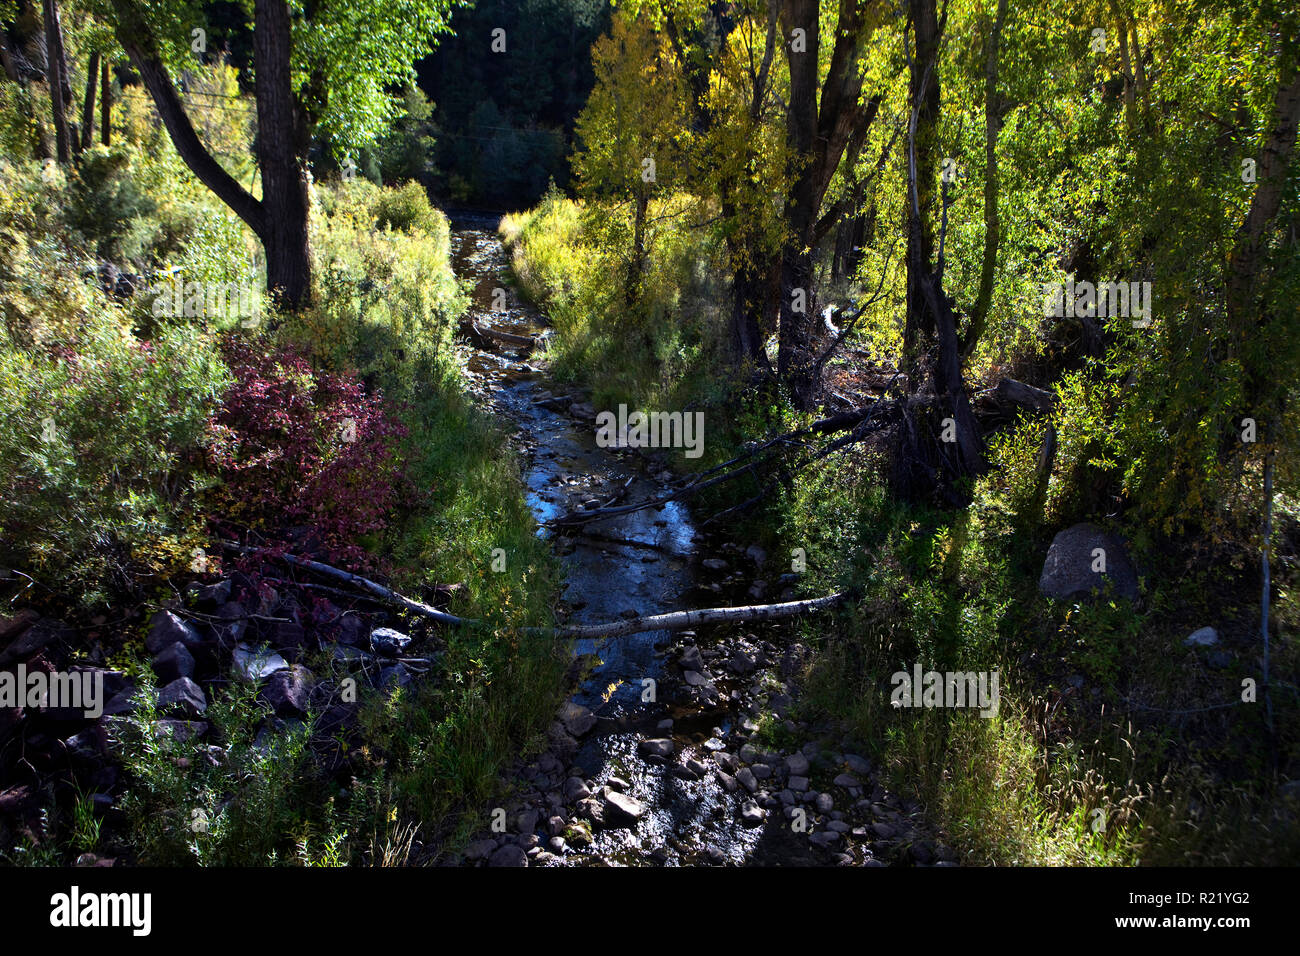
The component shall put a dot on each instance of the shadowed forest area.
(661, 433)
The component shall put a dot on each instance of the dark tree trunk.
(940, 440)
(992, 224)
(88, 108)
(923, 90)
(105, 105)
(56, 72)
(820, 130)
(280, 219)
(281, 142)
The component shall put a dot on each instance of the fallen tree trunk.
(355, 579)
(1018, 393)
(483, 333)
(676, 620)
(671, 621)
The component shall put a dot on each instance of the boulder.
(287, 691)
(387, 642)
(255, 664)
(656, 747)
(166, 629)
(1068, 570)
(31, 639)
(182, 695)
(577, 720)
(1205, 637)
(173, 663)
(509, 855)
(619, 807)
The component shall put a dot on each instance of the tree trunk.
(820, 130)
(992, 225)
(281, 142)
(56, 72)
(940, 439)
(105, 105)
(924, 102)
(88, 108)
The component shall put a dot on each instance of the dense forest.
(667, 432)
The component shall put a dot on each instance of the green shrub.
(100, 446)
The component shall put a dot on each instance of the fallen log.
(1018, 393)
(357, 580)
(484, 332)
(671, 621)
(676, 620)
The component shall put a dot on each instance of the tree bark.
(923, 97)
(88, 108)
(105, 104)
(820, 130)
(56, 69)
(992, 224)
(280, 219)
(282, 139)
(923, 460)
(183, 136)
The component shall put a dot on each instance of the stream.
(612, 790)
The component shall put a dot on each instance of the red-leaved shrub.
(298, 446)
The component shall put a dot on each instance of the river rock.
(1205, 637)
(575, 789)
(287, 691)
(387, 642)
(747, 780)
(621, 807)
(858, 765)
(656, 747)
(480, 849)
(508, 855)
(751, 815)
(690, 659)
(797, 764)
(577, 720)
(1068, 569)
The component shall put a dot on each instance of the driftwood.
(482, 334)
(671, 621)
(676, 620)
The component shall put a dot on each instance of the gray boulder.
(166, 629)
(182, 695)
(1068, 570)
